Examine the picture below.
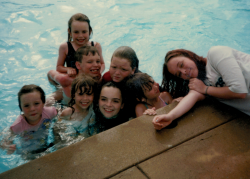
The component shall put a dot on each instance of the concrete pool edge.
(120, 149)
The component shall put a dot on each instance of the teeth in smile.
(108, 110)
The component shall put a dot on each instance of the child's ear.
(133, 71)
(78, 65)
(122, 105)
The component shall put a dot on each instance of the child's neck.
(33, 123)
(79, 113)
(78, 46)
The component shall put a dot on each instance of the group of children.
(93, 103)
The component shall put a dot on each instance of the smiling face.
(154, 92)
(120, 68)
(110, 101)
(90, 65)
(182, 67)
(83, 100)
(79, 32)
(32, 106)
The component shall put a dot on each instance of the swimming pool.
(32, 33)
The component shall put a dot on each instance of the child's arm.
(161, 121)
(7, 143)
(99, 48)
(140, 109)
(218, 92)
(63, 49)
(177, 99)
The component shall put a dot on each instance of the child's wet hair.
(177, 86)
(114, 85)
(85, 50)
(29, 89)
(138, 84)
(82, 81)
(129, 54)
(78, 17)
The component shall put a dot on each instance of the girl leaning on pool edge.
(224, 74)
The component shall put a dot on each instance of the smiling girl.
(224, 75)
(79, 31)
(79, 116)
(109, 111)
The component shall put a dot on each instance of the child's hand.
(150, 112)
(161, 121)
(177, 99)
(71, 71)
(11, 149)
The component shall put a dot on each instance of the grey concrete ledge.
(121, 151)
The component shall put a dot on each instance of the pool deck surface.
(210, 141)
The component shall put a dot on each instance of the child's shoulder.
(140, 106)
(19, 125)
(18, 120)
(166, 97)
(50, 112)
(64, 46)
(66, 113)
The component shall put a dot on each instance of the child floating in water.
(33, 125)
(80, 116)
(147, 92)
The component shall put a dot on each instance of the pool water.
(32, 32)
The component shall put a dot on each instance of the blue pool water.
(31, 33)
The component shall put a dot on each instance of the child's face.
(110, 102)
(182, 67)
(90, 65)
(84, 100)
(120, 68)
(32, 107)
(80, 32)
(154, 92)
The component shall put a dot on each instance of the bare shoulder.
(166, 97)
(98, 45)
(66, 113)
(63, 48)
(139, 109)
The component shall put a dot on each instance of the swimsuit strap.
(70, 47)
(163, 101)
(146, 105)
(92, 43)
